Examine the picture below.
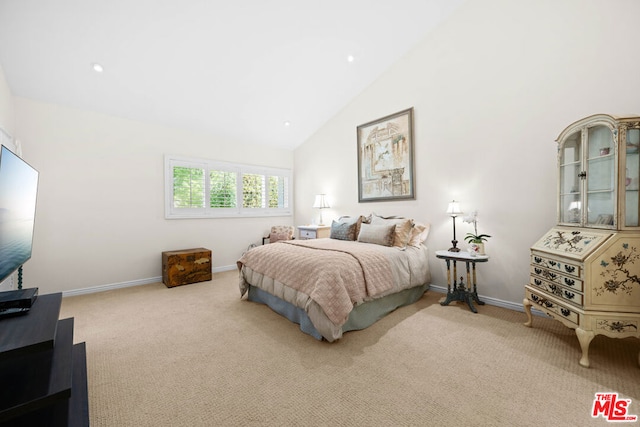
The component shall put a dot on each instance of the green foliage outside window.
(188, 187)
(202, 189)
(223, 189)
(252, 190)
(277, 191)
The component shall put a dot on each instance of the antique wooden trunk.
(186, 266)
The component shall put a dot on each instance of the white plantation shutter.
(188, 187)
(196, 188)
(278, 191)
(224, 189)
(253, 191)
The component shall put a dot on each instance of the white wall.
(491, 89)
(100, 214)
(6, 105)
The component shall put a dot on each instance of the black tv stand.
(43, 374)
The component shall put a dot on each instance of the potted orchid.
(474, 239)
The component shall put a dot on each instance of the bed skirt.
(361, 317)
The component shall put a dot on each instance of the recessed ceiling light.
(350, 58)
(97, 67)
(287, 124)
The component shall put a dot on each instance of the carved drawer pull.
(569, 295)
(548, 303)
(552, 276)
(537, 260)
(534, 298)
(538, 270)
(565, 312)
(537, 282)
(569, 268)
(569, 282)
(552, 263)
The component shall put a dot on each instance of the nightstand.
(307, 232)
(460, 292)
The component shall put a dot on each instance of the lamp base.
(454, 248)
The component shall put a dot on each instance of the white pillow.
(377, 234)
(419, 234)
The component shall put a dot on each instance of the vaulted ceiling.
(254, 71)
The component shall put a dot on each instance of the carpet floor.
(198, 355)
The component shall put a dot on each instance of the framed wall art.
(385, 158)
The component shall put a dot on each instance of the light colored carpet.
(197, 355)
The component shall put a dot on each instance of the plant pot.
(473, 249)
(480, 248)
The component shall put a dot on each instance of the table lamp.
(454, 210)
(321, 203)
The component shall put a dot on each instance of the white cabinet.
(585, 272)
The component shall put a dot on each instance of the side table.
(307, 232)
(460, 292)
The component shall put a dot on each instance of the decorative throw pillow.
(343, 230)
(377, 234)
(419, 234)
(275, 237)
(358, 220)
(281, 232)
(402, 231)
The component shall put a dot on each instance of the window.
(209, 189)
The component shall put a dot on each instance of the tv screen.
(18, 190)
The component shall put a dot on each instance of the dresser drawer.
(307, 234)
(551, 307)
(570, 282)
(560, 291)
(562, 267)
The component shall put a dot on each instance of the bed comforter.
(328, 277)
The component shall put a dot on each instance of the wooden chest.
(186, 266)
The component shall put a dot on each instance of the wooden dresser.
(585, 272)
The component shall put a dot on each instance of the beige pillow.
(419, 234)
(402, 231)
(281, 232)
(377, 234)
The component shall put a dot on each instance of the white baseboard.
(440, 289)
(494, 301)
(111, 286)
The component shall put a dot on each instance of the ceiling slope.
(239, 70)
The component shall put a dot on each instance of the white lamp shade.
(321, 201)
(454, 208)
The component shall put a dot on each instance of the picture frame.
(385, 158)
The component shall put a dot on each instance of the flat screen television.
(18, 191)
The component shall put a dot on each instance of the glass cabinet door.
(588, 178)
(600, 194)
(570, 182)
(632, 178)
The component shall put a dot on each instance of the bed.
(368, 268)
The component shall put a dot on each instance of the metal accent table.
(460, 292)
